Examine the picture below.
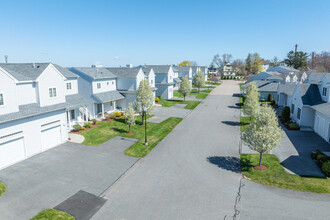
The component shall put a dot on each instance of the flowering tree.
(251, 103)
(264, 134)
(199, 80)
(130, 116)
(144, 99)
(185, 87)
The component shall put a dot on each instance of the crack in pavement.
(238, 199)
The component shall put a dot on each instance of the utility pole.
(296, 48)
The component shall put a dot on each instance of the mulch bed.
(86, 129)
(287, 126)
(130, 133)
(260, 167)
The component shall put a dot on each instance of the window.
(2, 102)
(292, 108)
(298, 113)
(52, 92)
(324, 92)
(99, 85)
(73, 114)
(68, 86)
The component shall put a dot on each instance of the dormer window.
(99, 85)
(68, 86)
(52, 92)
(324, 92)
(2, 101)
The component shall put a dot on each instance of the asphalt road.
(192, 174)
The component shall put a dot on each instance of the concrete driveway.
(47, 179)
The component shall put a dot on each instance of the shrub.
(322, 159)
(294, 126)
(88, 125)
(314, 154)
(118, 114)
(94, 121)
(244, 97)
(326, 168)
(262, 100)
(157, 99)
(270, 97)
(160, 97)
(112, 115)
(82, 128)
(285, 114)
(76, 127)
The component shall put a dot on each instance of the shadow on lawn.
(227, 163)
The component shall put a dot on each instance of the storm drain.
(82, 205)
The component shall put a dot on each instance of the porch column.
(69, 121)
(86, 113)
(102, 110)
(114, 105)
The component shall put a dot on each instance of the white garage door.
(51, 137)
(320, 126)
(11, 149)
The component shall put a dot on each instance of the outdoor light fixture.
(145, 125)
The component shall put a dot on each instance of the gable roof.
(159, 68)
(107, 96)
(75, 101)
(96, 72)
(182, 68)
(287, 89)
(65, 72)
(310, 94)
(283, 69)
(259, 83)
(270, 87)
(317, 77)
(24, 71)
(124, 72)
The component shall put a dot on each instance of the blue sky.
(113, 33)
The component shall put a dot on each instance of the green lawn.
(107, 130)
(52, 214)
(201, 95)
(276, 176)
(177, 94)
(240, 86)
(241, 101)
(170, 102)
(245, 121)
(2, 188)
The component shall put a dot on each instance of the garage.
(12, 149)
(50, 135)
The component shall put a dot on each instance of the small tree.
(265, 133)
(130, 117)
(185, 87)
(199, 80)
(285, 114)
(270, 97)
(144, 99)
(251, 103)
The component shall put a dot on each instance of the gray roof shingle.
(271, 87)
(323, 108)
(287, 89)
(107, 96)
(316, 77)
(75, 101)
(159, 69)
(24, 71)
(65, 72)
(96, 72)
(259, 83)
(124, 72)
(31, 110)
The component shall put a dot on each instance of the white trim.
(8, 74)
(56, 70)
(3, 100)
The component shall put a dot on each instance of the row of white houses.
(306, 93)
(40, 102)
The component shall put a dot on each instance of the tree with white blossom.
(251, 103)
(264, 134)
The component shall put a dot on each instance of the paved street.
(181, 178)
(162, 113)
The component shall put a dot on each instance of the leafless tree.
(320, 62)
(238, 66)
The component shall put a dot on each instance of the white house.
(227, 70)
(33, 110)
(99, 87)
(151, 77)
(265, 65)
(128, 81)
(284, 94)
(205, 71)
(164, 77)
(182, 71)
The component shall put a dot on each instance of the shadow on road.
(237, 106)
(232, 123)
(227, 163)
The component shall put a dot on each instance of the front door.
(99, 108)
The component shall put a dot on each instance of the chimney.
(313, 55)
(129, 65)
(34, 65)
(296, 47)
(6, 58)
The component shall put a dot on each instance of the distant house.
(265, 65)
(164, 78)
(151, 77)
(182, 71)
(265, 88)
(36, 102)
(99, 87)
(227, 70)
(284, 94)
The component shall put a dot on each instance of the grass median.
(2, 188)
(53, 214)
(276, 175)
(171, 102)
